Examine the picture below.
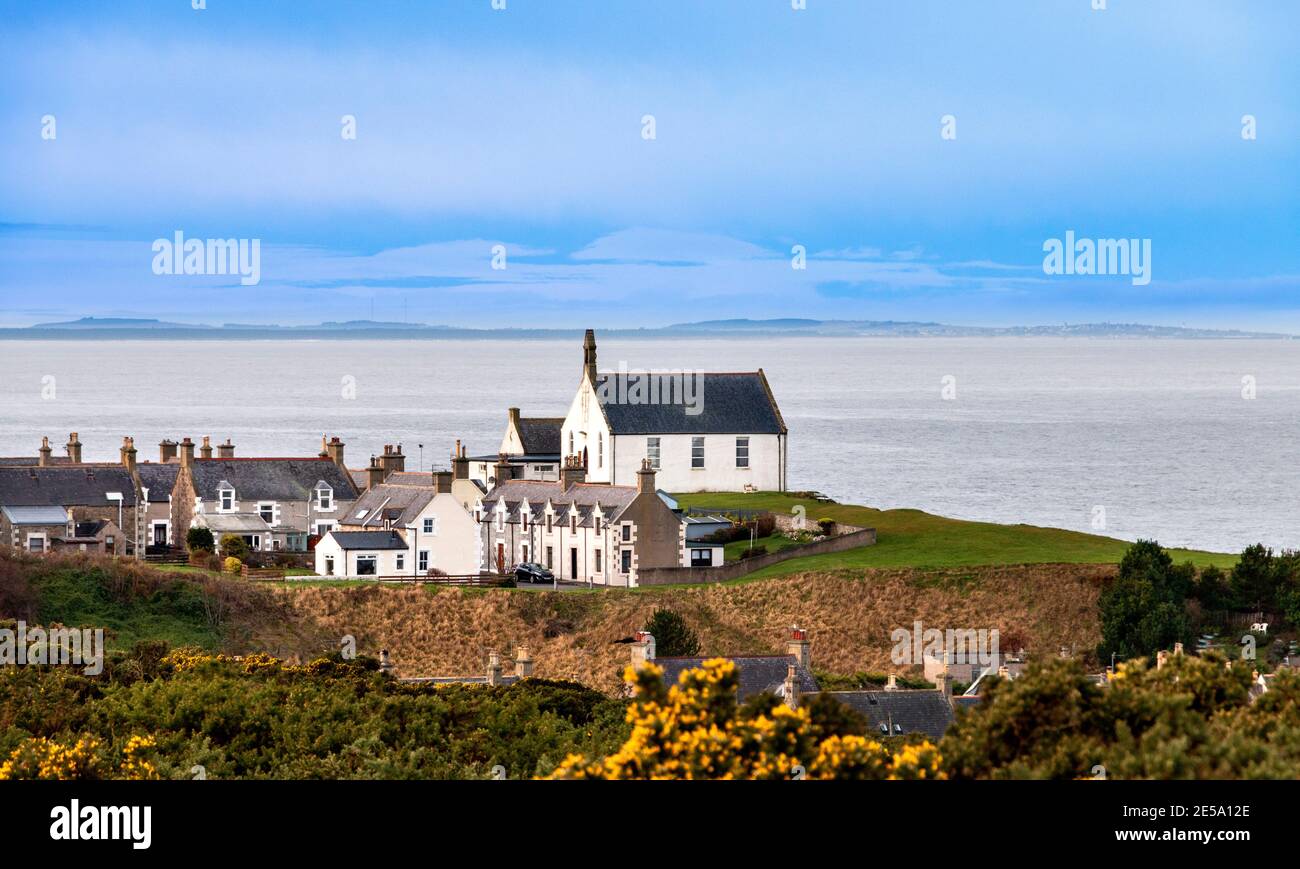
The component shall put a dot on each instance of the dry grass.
(574, 634)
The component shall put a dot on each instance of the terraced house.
(584, 532)
(84, 506)
(272, 503)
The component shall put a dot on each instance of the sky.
(920, 154)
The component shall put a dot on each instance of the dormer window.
(324, 497)
(226, 497)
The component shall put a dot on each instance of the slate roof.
(353, 540)
(613, 500)
(35, 515)
(728, 403)
(541, 434)
(235, 523)
(400, 503)
(26, 461)
(159, 479)
(258, 479)
(900, 712)
(758, 673)
(64, 486)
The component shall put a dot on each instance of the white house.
(701, 432)
(408, 525)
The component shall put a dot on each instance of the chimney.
(573, 472)
(503, 470)
(589, 356)
(166, 450)
(1162, 657)
(892, 683)
(205, 451)
(128, 454)
(187, 452)
(943, 681)
(1178, 648)
(645, 479)
(494, 668)
(514, 422)
(791, 687)
(1004, 672)
(798, 646)
(442, 482)
(459, 463)
(391, 461)
(385, 663)
(334, 450)
(74, 448)
(44, 453)
(226, 450)
(643, 650)
(374, 473)
(523, 663)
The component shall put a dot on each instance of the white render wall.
(719, 473)
(345, 562)
(453, 547)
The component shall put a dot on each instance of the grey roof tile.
(900, 712)
(368, 539)
(758, 673)
(271, 479)
(65, 486)
(728, 403)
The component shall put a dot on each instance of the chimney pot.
(523, 663)
(798, 646)
(643, 650)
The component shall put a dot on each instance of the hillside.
(912, 538)
(571, 634)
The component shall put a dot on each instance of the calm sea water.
(1042, 431)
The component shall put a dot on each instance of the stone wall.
(737, 569)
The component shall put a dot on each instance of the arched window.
(600, 449)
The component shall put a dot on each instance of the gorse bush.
(258, 717)
(696, 729)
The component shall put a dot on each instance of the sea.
(1190, 442)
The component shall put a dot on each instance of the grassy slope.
(911, 538)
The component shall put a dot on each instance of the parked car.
(527, 571)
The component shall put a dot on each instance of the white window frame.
(324, 497)
(653, 451)
(368, 556)
(742, 443)
(41, 536)
(224, 494)
(422, 561)
(697, 442)
(266, 505)
(399, 561)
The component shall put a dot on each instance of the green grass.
(912, 538)
(173, 611)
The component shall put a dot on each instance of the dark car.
(529, 572)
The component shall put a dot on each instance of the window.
(422, 561)
(549, 517)
(323, 527)
(742, 452)
(627, 532)
(550, 561)
(600, 449)
(267, 512)
(227, 499)
(324, 497)
(570, 443)
(501, 519)
(400, 560)
(329, 565)
(697, 452)
(596, 519)
(367, 565)
(429, 526)
(627, 561)
(652, 452)
(525, 558)
(35, 542)
(598, 561)
(573, 521)
(701, 557)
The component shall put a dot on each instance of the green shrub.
(673, 637)
(199, 539)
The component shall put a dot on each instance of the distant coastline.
(109, 329)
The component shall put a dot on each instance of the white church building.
(702, 432)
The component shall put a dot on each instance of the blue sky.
(774, 127)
